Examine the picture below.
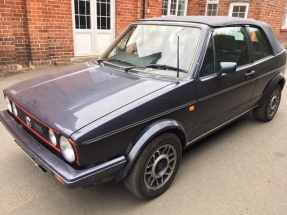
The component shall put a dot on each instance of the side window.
(260, 44)
(231, 45)
(207, 67)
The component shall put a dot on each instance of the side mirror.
(227, 68)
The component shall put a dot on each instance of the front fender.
(278, 79)
(145, 136)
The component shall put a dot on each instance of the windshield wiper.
(162, 66)
(155, 66)
(114, 59)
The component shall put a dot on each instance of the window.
(230, 45)
(261, 47)
(174, 7)
(207, 68)
(212, 7)
(82, 14)
(238, 10)
(146, 47)
(103, 14)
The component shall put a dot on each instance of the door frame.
(94, 30)
(215, 115)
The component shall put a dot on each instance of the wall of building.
(272, 12)
(40, 32)
(35, 32)
(196, 8)
(7, 40)
(153, 8)
(50, 30)
(128, 11)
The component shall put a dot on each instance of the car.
(164, 84)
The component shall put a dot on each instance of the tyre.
(267, 111)
(155, 167)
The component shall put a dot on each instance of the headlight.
(15, 111)
(67, 149)
(8, 104)
(52, 137)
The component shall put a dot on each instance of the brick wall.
(38, 32)
(196, 7)
(7, 43)
(20, 32)
(153, 8)
(272, 12)
(127, 11)
(60, 30)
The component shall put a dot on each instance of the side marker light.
(59, 179)
(191, 108)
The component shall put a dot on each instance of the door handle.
(249, 73)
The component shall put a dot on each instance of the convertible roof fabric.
(221, 21)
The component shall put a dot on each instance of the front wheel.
(267, 111)
(155, 167)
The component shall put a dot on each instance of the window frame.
(248, 45)
(86, 15)
(285, 19)
(208, 2)
(231, 7)
(100, 16)
(176, 10)
(214, 74)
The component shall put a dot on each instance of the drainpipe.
(144, 1)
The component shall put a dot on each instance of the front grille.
(35, 127)
(40, 132)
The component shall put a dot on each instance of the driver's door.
(222, 98)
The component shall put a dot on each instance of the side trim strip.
(239, 85)
(226, 90)
(218, 127)
(136, 123)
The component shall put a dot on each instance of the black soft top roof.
(221, 21)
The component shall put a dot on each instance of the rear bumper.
(51, 163)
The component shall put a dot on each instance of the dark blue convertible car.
(164, 84)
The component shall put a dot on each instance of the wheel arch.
(282, 83)
(146, 135)
(278, 79)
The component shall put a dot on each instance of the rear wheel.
(267, 111)
(155, 167)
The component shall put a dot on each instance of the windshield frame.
(105, 55)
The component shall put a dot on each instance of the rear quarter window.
(261, 47)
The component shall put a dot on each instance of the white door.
(94, 28)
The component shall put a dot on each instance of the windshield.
(153, 49)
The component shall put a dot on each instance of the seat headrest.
(224, 42)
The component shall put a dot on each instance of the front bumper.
(51, 163)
